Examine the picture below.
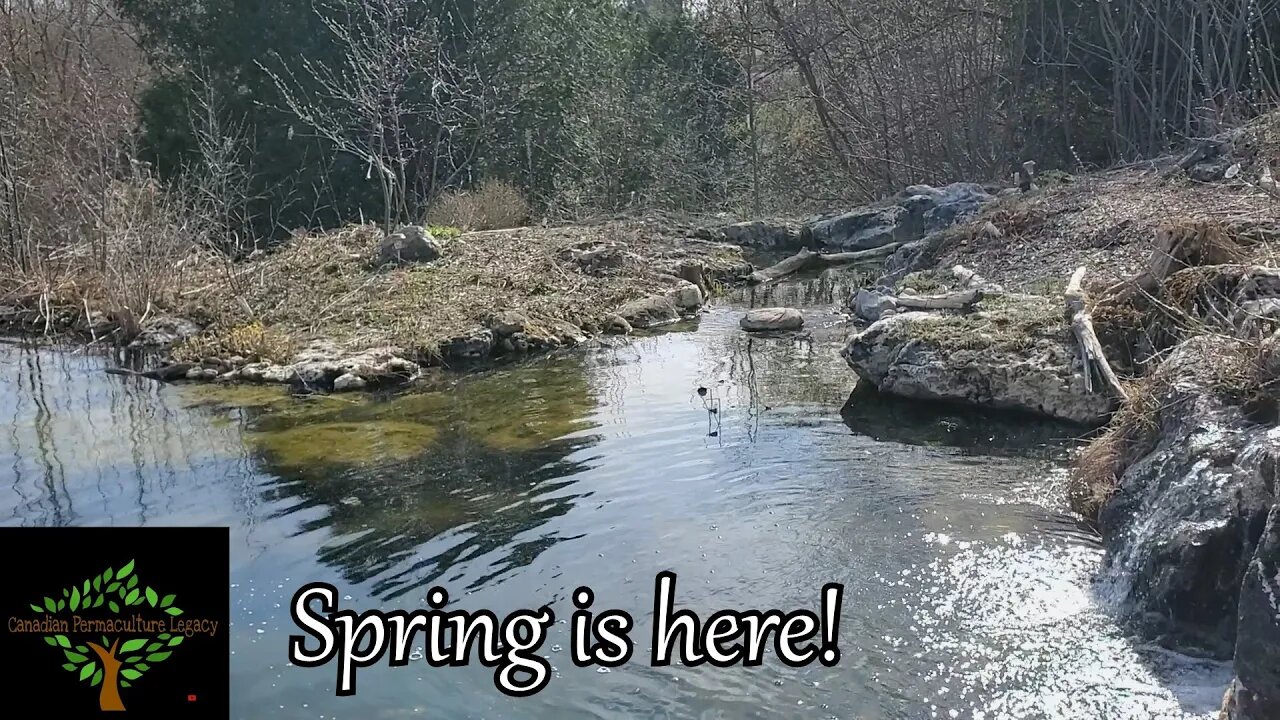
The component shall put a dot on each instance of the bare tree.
(392, 80)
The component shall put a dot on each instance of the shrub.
(494, 205)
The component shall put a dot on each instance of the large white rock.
(1018, 358)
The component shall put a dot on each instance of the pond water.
(968, 590)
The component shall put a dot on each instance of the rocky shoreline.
(1164, 343)
(1182, 477)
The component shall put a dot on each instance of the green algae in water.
(235, 396)
(505, 411)
(345, 443)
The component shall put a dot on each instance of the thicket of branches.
(134, 130)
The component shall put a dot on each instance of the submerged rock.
(1015, 354)
(772, 320)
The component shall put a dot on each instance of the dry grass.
(1009, 323)
(494, 205)
(324, 286)
(252, 343)
(130, 265)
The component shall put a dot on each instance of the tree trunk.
(809, 260)
(109, 696)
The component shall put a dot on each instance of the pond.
(967, 582)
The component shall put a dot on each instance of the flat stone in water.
(772, 319)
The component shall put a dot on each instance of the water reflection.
(889, 419)
(82, 447)
(484, 460)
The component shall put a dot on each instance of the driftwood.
(948, 301)
(165, 373)
(970, 279)
(809, 260)
(1092, 356)
(1178, 246)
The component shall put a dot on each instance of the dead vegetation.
(1199, 292)
(1243, 373)
(1106, 221)
(494, 205)
(1000, 322)
(252, 343)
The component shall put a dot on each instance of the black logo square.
(114, 622)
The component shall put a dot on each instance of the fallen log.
(947, 301)
(810, 260)
(166, 373)
(1092, 355)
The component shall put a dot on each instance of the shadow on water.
(885, 418)
(410, 485)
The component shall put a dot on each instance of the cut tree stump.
(1178, 246)
(810, 260)
(1091, 353)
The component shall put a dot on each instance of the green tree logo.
(113, 664)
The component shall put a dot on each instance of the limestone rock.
(1182, 528)
(863, 228)
(616, 325)
(686, 296)
(508, 323)
(1020, 356)
(649, 312)
(1257, 654)
(474, 345)
(871, 305)
(762, 234)
(772, 320)
(165, 331)
(409, 244)
(202, 373)
(347, 382)
(908, 217)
